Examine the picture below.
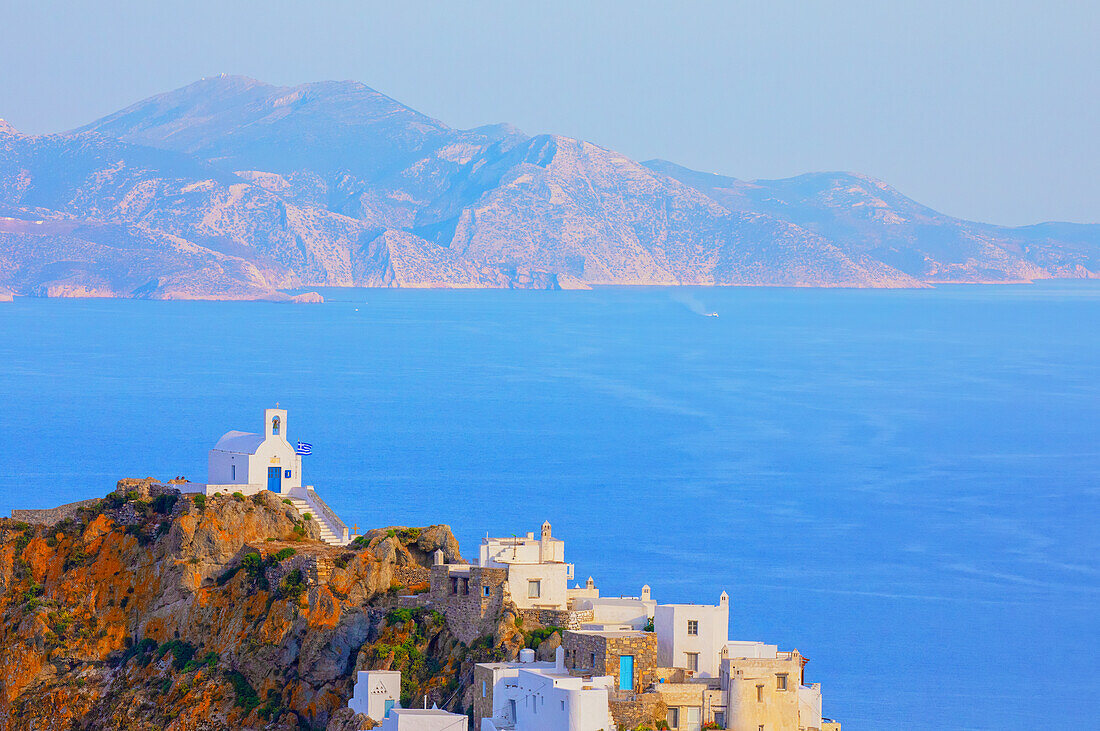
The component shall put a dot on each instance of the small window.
(286, 474)
(781, 681)
(693, 626)
(673, 718)
(485, 590)
(562, 705)
(760, 727)
(593, 664)
(454, 585)
(534, 589)
(759, 694)
(693, 661)
(233, 472)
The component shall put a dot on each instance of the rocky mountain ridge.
(231, 188)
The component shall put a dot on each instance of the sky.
(983, 110)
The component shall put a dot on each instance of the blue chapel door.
(626, 672)
(274, 479)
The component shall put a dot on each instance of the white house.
(617, 613)
(424, 719)
(376, 693)
(692, 636)
(248, 463)
(538, 577)
(533, 696)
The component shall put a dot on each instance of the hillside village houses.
(621, 659)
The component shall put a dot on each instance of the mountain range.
(231, 188)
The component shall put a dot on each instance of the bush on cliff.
(246, 694)
(182, 652)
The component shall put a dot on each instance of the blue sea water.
(901, 484)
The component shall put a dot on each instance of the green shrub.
(292, 586)
(399, 616)
(272, 707)
(246, 694)
(164, 504)
(239, 496)
(200, 501)
(182, 652)
(536, 637)
(253, 565)
(409, 535)
(307, 517)
(287, 501)
(282, 555)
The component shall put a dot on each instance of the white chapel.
(248, 463)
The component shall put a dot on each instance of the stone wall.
(483, 704)
(566, 619)
(52, 516)
(470, 597)
(640, 710)
(607, 649)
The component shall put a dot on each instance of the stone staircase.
(301, 502)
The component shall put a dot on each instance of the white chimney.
(526, 655)
(559, 659)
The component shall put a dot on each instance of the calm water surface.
(901, 484)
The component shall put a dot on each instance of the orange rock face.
(154, 610)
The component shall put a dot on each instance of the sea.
(904, 485)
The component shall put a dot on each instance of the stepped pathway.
(326, 533)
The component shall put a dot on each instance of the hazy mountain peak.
(7, 130)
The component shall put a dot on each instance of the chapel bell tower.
(275, 423)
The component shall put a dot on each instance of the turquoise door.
(389, 706)
(626, 672)
(274, 479)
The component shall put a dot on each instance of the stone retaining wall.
(52, 516)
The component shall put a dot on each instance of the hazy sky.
(986, 110)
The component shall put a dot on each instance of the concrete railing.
(336, 525)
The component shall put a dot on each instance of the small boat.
(711, 314)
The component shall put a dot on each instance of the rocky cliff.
(234, 189)
(154, 610)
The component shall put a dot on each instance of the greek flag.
(304, 448)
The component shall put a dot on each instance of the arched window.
(275, 425)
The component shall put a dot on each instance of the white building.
(617, 613)
(692, 636)
(424, 719)
(538, 577)
(766, 688)
(532, 696)
(248, 463)
(251, 463)
(376, 693)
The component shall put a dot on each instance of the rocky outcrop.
(151, 609)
